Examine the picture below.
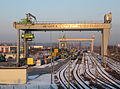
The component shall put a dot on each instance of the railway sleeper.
(113, 73)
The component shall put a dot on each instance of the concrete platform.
(13, 75)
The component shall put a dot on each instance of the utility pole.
(51, 70)
(51, 58)
(69, 74)
(53, 67)
(84, 63)
(95, 73)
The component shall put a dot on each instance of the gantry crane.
(103, 27)
(63, 44)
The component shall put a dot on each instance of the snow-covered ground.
(92, 73)
(36, 81)
(102, 71)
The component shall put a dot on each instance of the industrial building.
(8, 49)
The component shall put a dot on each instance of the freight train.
(49, 60)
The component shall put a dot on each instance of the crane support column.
(25, 48)
(18, 47)
(104, 44)
(92, 46)
(59, 45)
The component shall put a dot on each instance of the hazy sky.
(59, 10)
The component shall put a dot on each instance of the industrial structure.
(104, 28)
(63, 42)
(8, 49)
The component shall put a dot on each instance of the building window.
(6, 50)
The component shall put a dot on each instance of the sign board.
(56, 50)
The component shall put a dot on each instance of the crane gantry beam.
(63, 27)
(63, 39)
(104, 28)
(68, 40)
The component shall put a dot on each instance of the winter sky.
(59, 10)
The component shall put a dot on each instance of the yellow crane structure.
(68, 40)
(103, 27)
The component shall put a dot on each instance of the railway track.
(114, 66)
(102, 83)
(63, 78)
(115, 63)
(104, 74)
(112, 63)
(78, 83)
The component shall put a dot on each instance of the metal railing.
(67, 22)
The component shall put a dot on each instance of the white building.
(8, 49)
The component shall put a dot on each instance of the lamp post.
(69, 74)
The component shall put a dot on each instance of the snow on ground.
(91, 69)
(34, 82)
(82, 67)
(43, 79)
(105, 74)
(32, 77)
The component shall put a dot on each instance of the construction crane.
(27, 35)
(29, 17)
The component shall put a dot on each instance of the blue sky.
(58, 10)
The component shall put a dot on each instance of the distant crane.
(63, 41)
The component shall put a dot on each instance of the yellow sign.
(30, 61)
(56, 50)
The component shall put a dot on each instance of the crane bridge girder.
(63, 27)
(104, 28)
(68, 40)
